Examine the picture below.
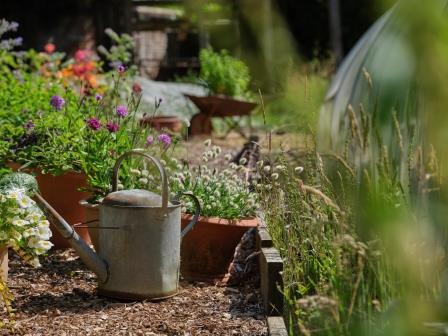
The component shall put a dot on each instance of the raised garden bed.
(271, 267)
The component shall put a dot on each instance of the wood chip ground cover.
(60, 299)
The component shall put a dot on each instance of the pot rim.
(246, 221)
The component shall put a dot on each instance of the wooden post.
(271, 266)
(335, 29)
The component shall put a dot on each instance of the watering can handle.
(156, 162)
(194, 221)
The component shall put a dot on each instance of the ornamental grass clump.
(355, 235)
(221, 186)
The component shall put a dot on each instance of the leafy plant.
(223, 74)
(23, 226)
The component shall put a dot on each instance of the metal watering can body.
(138, 255)
(143, 252)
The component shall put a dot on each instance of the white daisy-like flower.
(20, 222)
(274, 176)
(280, 167)
(259, 164)
(34, 262)
(30, 232)
(207, 142)
(34, 242)
(143, 180)
(267, 169)
(25, 202)
(298, 169)
(228, 156)
(134, 171)
(243, 161)
(44, 233)
(144, 173)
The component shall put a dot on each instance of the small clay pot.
(92, 212)
(207, 250)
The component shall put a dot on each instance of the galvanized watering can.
(138, 255)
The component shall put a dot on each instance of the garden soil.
(60, 299)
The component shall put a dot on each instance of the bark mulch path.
(60, 299)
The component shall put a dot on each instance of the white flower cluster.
(221, 192)
(23, 226)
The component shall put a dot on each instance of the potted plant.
(227, 80)
(228, 211)
(23, 227)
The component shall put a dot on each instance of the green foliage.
(121, 51)
(335, 221)
(223, 74)
(295, 107)
(20, 181)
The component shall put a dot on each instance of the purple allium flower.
(122, 111)
(13, 26)
(18, 41)
(57, 102)
(29, 126)
(149, 140)
(98, 97)
(165, 139)
(93, 123)
(112, 127)
(121, 68)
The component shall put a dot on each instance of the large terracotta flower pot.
(92, 212)
(62, 193)
(4, 263)
(207, 251)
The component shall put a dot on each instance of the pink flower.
(136, 88)
(81, 55)
(112, 127)
(122, 111)
(94, 124)
(149, 140)
(49, 48)
(121, 68)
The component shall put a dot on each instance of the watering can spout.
(87, 255)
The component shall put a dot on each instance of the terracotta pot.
(172, 123)
(92, 220)
(62, 193)
(207, 250)
(4, 263)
